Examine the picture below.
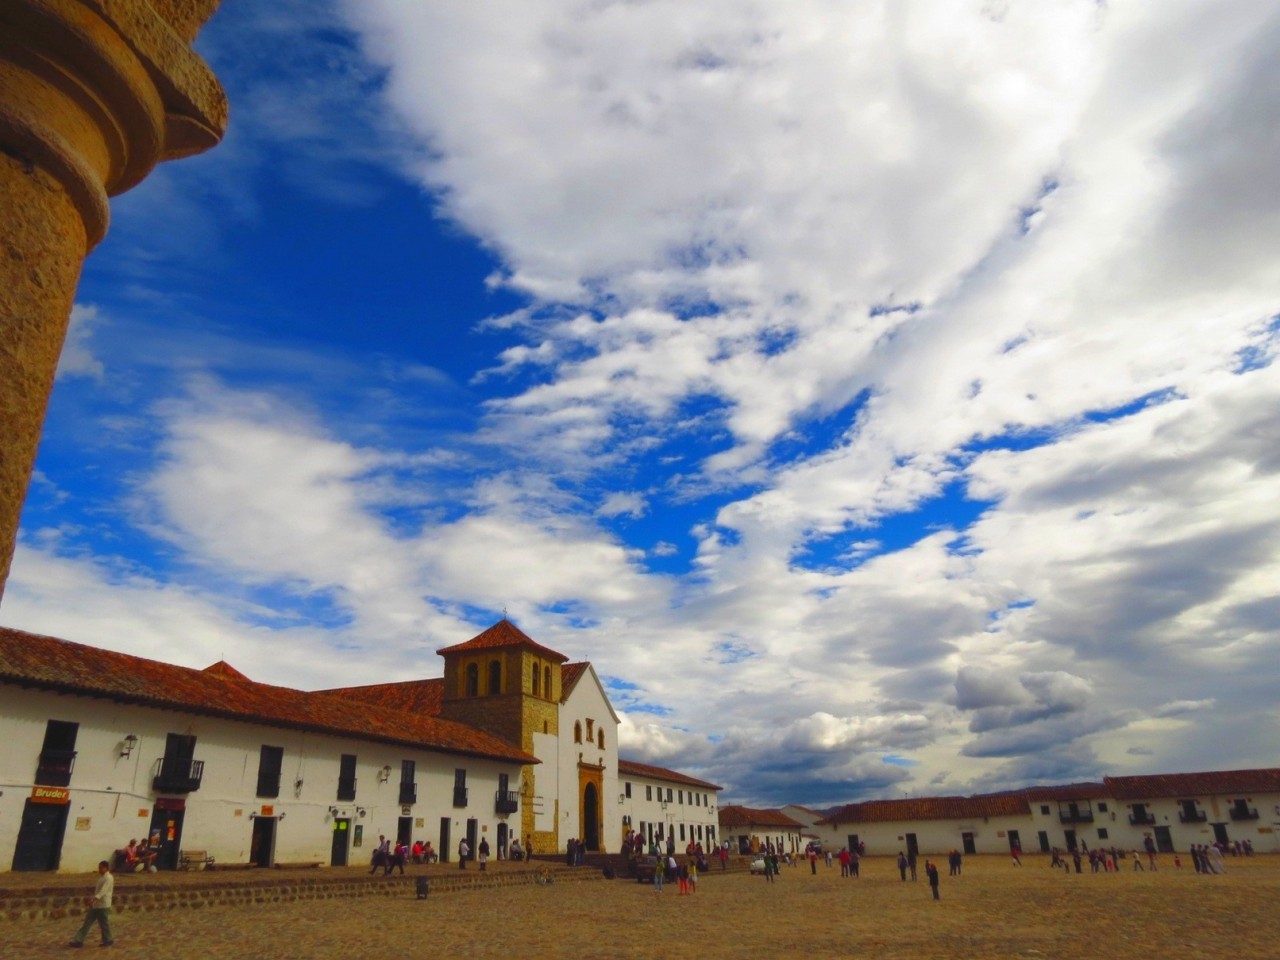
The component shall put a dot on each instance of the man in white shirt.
(100, 909)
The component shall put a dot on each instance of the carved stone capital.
(97, 92)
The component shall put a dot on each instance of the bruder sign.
(50, 795)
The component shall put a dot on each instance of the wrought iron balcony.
(173, 775)
(506, 801)
(408, 794)
(346, 788)
(1193, 816)
(459, 796)
(1243, 813)
(1075, 816)
(54, 769)
(1142, 819)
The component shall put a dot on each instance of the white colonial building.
(658, 804)
(1173, 811)
(100, 748)
(750, 830)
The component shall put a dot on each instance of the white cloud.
(77, 359)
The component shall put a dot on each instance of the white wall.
(112, 800)
(690, 813)
(586, 702)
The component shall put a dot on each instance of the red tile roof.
(48, 663)
(932, 808)
(425, 696)
(1186, 785)
(737, 816)
(570, 674)
(504, 633)
(224, 669)
(414, 696)
(632, 769)
(1067, 792)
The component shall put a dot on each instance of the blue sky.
(881, 396)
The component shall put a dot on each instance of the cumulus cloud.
(77, 359)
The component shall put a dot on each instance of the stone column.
(93, 94)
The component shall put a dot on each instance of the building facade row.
(1172, 812)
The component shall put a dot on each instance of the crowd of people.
(1206, 858)
(388, 856)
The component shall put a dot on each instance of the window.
(495, 676)
(179, 771)
(600, 738)
(473, 679)
(648, 792)
(680, 794)
(1102, 806)
(459, 788)
(682, 831)
(347, 777)
(270, 762)
(668, 794)
(1044, 808)
(591, 734)
(58, 755)
(536, 674)
(546, 678)
(1102, 833)
(577, 732)
(627, 788)
(408, 786)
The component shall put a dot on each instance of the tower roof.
(502, 634)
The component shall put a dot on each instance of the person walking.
(902, 865)
(484, 852)
(931, 871)
(464, 851)
(100, 909)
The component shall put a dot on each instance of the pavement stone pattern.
(993, 911)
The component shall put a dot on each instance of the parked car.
(757, 865)
(644, 867)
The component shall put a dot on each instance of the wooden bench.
(195, 860)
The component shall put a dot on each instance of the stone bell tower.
(93, 94)
(506, 684)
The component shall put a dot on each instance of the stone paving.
(993, 911)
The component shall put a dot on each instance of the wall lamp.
(360, 812)
(333, 811)
(384, 774)
(622, 798)
(127, 745)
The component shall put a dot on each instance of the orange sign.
(50, 795)
(268, 810)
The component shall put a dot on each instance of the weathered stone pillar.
(93, 94)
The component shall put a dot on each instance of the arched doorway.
(591, 817)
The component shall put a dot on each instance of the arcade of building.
(512, 742)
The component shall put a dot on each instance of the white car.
(757, 865)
